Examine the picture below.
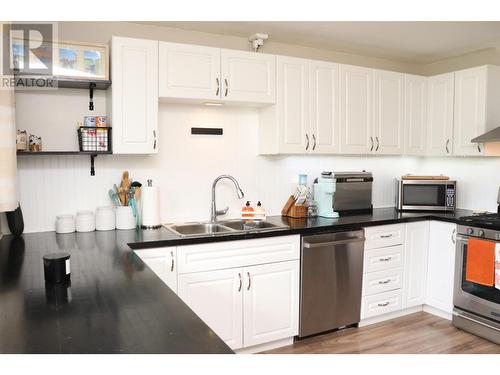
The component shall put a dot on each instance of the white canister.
(105, 218)
(65, 224)
(125, 218)
(85, 221)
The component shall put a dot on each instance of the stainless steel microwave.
(426, 195)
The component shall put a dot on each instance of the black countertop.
(380, 216)
(115, 303)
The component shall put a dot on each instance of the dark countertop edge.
(181, 241)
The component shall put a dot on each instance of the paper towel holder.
(149, 226)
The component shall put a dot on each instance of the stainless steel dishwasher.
(331, 281)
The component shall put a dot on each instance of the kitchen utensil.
(85, 221)
(498, 201)
(65, 224)
(125, 218)
(114, 197)
(125, 187)
(105, 218)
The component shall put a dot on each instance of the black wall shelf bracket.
(92, 86)
(92, 169)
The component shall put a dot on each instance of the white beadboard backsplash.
(186, 166)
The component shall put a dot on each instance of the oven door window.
(487, 293)
(424, 195)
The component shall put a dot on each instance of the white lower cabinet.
(248, 303)
(441, 266)
(163, 262)
(381, 303)
(271, 302)
(415, 270)
(216, 297)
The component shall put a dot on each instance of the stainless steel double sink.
(202, 229)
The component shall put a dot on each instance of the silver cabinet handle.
(218, 86)
(378, 143)
(154, 139)
(372, 144)
(446, 146)
(173, 261)
(249, 281)
(314, 144)
(309, 245)
(478, 147)
(384, 259)
(453, 236)
(307, 145)
(241, 282)
(227, 86)
(386, 236)
(385, 281)
(384, 304)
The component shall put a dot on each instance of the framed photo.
(81, 61)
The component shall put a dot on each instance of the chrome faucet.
(216, 212)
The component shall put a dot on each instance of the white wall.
(186, 166)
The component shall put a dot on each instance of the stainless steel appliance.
(477, 307)
(353, 192)
(426, 195)
(331, 281)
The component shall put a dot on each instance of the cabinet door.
(415, 270)
(216, 297)
(293, 104)
(440, 115)
(163, 263)
(189, 72)
(248, 77)
(271, 302)
(356, 103)
(325, 115)
(388, 111)
(134, 95)
(441, 266)
(415, 115)
(470, 110)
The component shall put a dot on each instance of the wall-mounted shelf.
(92, 154)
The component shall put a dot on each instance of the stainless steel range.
(477, 307)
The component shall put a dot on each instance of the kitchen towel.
(497, 266)
(480, 266)
(8, 162)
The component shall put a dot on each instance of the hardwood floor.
(412, 334)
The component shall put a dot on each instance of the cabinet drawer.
(384, 235)
(155, 252)
(383, 259)
(382, 281)
(382, 303)
(229, 254)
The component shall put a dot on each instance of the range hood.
(491, 136)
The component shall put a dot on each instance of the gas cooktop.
(490, 221)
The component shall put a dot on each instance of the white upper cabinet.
(284, 127)
(248, 77)
(195, 73)
(356, 106)
(325, 105)
(440, 115)
(388, 112)
(477, 98)
(189, 72)
(134, 95)
(415, 115)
